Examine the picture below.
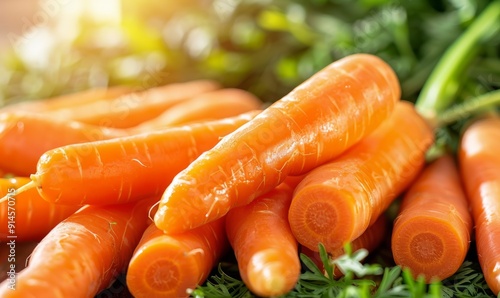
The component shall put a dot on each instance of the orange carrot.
(266, 251)
(169, 265)
(83, 254)
(432, 231)
(314, 123)
(369, 240)
(217, 104)
(27, 217)
(132, 109)
(25, 137)
(480, 170)
(337, 201)
(71, 100)
(122, 170)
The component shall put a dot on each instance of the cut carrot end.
(429, 247)
(270, 274)
(322, 214)
(162, 275)
(168, 276)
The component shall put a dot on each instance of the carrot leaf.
(467, 282)
(222, 285)
(351, 264)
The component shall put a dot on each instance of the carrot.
(132, 109)
(166, 265)
(25, 137)
(27, 217)
(83, 254)
(217, 104)
(369, 240)
(266, 251)
(432, 231)
(480, 171)
(71, 100)
(316, 122)
(125, 169)
(337, 201)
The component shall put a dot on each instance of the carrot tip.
(272, 273)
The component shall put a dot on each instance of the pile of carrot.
(162, 183)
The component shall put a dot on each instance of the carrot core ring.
(166, 275)
(428, 248)
(320, 217)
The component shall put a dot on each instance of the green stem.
(440, 89)
(467, 108)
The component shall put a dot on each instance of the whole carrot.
(132, 109)
(431, 234)
(166, 265)
(480, 171)
(314, 123)
(217, 104)
(71, 100)
(266, 251)
(369, 240)
(27, 217)
(25, 137)
(125, 169)
(83, 254)
(337, 201)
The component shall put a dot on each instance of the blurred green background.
(264, 46)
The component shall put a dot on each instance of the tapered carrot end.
(429, 246)
(488, 248)
(320, 213)
(182, 207)
(272, 273)
(161, 270)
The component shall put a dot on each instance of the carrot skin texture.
(132, 109)
(317, 121)
(369, 240)
(25, 137)
(33, 216)
(337, 201)
(431, 234)
(480, 170)
(166, 265)
(266, 251)
(87, 250)
(122, 170)
(218, 104)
